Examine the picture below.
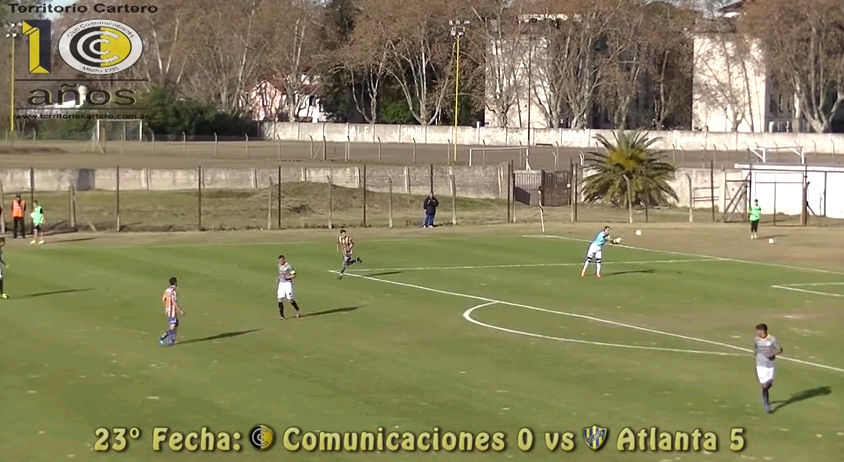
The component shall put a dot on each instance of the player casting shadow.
(332, 311)
(639, 271)
(56, 292)
(385, 273)
(220, 336)
(802, 396)
(78, 239)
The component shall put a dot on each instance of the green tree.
(628, 158)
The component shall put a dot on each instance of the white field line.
(698, 255)
(467, 315)
(537, 265)
(814, 284)
(807, 291)
(586, 317)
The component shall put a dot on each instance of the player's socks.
(359, 260)
(765, 400)
(598, 272)
(2, 286)
(281, 310)
(295, 307)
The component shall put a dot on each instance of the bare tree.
(365, 60)
(632, 39)
(577, 55)
(803, 46)
(502, 41)
(293, 51)
(229, 53)
(419, 51)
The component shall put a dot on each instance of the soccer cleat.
(4, 296)
(583, 274)
(41, 241)
(359, 260)
(33, 241)
(598, 276)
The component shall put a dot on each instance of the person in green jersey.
(37, 220)
(755, 215)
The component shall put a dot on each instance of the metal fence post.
(117, 198)
(199, 198)
(184, 145)
(31, 198)
(453, 199)
(278, 205)
(363, 181)
(330, 188)
(712, 188)
(390, 202)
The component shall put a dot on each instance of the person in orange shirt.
(18, 211)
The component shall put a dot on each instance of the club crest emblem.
(595, 437)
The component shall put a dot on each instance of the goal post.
(118, 130)
(518, 153)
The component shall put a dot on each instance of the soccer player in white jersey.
(593, 254)
(286, 274)
(765, 351)
(172, 311)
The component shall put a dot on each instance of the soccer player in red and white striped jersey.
(172, 311)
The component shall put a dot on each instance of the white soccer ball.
(771, 241)
(638, 232)
(616, 240)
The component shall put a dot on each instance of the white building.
(268, 103)
(733, 90)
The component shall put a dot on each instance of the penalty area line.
(807, 291)
(539, 265)
(695, 255)
(585, 317)
(467, 315)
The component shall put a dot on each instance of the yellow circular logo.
(261, 437)
(100, 46)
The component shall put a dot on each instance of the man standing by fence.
(755, 216)
(430, 205)
(18, 210)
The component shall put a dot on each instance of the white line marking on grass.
(583, 316)
(815, 284)
(698, 255)
(467, 315)
(807, 291)
(536, 265)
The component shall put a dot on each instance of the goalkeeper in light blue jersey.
(594, 251)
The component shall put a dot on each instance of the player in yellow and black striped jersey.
(346, 245)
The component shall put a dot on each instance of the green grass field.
(430, 332)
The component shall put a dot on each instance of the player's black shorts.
(754, 226)
(38, 227)
(347, 258)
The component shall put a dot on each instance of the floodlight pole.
(458, 29)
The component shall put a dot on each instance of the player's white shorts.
(285, 290)
(594, 252)
(765, 374)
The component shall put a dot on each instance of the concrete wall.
(776, 187)
(826, 143)
(486, 182)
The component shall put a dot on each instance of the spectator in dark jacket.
(430, 205)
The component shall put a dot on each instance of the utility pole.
(458, 30)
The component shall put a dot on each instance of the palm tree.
(628, 159)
